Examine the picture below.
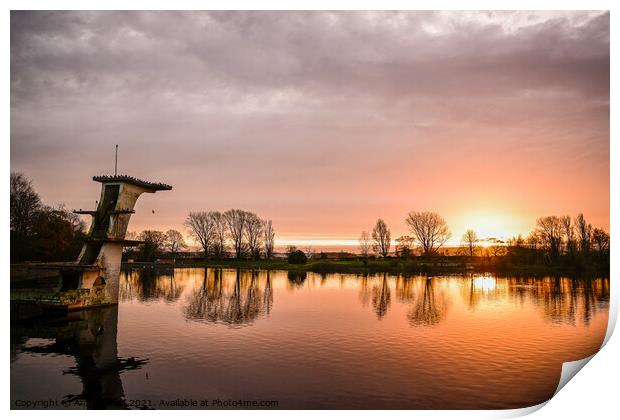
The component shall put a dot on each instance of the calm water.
(313, 341)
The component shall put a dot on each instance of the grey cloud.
(303, 95)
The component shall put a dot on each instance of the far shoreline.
(394, 266)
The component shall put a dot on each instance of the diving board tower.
(106, 237)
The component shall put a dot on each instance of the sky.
(320, 121)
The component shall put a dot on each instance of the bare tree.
(269, 235)
(202, 228)
(153, 243)
(497, 250)
(254, 235)
(584, 233)
(381, 237)
(364, 244)
(600, 239)
(236, 220)
(533, 240)
(403, 246)
(220, 230)
(550, 230)
(429, 229)
(569, 234)
(470, 239)
(516, 241)
(309, 252)
(174, 241)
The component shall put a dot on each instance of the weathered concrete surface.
(110, 263)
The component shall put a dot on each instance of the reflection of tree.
(237, 302)
(149, 284)
(429, 307)
(364, 293)
(405, 289)
(557, 306)
(566, 300)
(562, 300)
(268, 295)
(244, 305)
(208, 302)
(296, 279)
(89, 336)
(323, 278)
(474, 296)
(381, 297)
(477, 289)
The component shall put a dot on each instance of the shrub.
(297, 257)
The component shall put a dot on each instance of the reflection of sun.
(485, 284)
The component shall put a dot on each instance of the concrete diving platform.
(93, 279)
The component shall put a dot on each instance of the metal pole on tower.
(116, 161)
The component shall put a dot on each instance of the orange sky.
(322, 122)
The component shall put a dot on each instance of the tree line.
(554, 237)
(563, 238)
(40, 232)
(240, 231)
(237, 233)
(154, 244)
(429, 231)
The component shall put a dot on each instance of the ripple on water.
(335, 341)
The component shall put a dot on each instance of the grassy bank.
(413, 265)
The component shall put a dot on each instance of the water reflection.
(147, 284)
(296, 279)
(378, 293)
(90, 337)
(381, 297)
(478, 289)
(430, 305)
(562, 300)
(461, 341)
(234, 299)
(565, 300)
(238, 297)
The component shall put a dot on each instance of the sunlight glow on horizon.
(488, 225)
(491, 223)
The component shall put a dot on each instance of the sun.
(489, 225)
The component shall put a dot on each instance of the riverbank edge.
(389, 266)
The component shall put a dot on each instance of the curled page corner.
(520, 412)
(570, 369)
(613, 314)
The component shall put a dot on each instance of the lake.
(196, 338)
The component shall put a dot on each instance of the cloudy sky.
(320, 121)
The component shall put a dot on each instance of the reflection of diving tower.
(91, 338)
(106, 237)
